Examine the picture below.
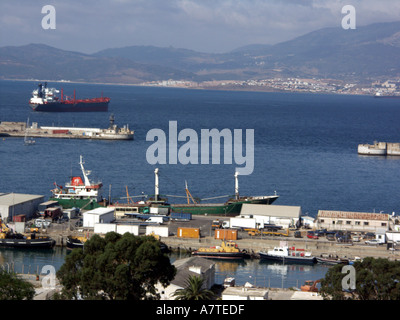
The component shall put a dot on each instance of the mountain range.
(368, 52)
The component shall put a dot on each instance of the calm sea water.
(305, 146)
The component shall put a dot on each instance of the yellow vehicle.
(256, 232)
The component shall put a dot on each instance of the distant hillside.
(40, 61)
(367, 52)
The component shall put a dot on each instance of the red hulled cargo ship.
(45, 99)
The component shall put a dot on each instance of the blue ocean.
(305, 146)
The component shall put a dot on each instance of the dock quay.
(251, 244)
(379, 149)
(21, 129)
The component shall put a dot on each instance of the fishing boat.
(330, 260)
(45, 99)
(80, 192)
(227, 250)
(75, 242)
(288, 255)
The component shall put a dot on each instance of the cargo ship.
(231, 207)
(45, 99)
(79, 193)
(158, 204)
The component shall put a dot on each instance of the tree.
(116, 267)
(376, 279)
(194, 290)
(13, 288)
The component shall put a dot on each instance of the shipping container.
(188, 233)
(19, 218)
(186, 216)
(225, 234)
(59, 131)
(159, 210)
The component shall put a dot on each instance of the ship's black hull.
(27, 243)
(71, 107)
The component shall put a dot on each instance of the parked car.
(373, 242)
(312, 235)
(369, 235)
(297, 234)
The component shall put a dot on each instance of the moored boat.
(45, 99)
(79, 193)
(75, 242)
(18, 240)
(330, 260)
(227, 250)
(288, 255)
(231, 207)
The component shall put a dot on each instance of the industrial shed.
(18, 204)
(285, 216)
(353, 221)
(98, 215)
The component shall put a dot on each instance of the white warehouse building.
(14, 204)
(98, 215)
(285, 216)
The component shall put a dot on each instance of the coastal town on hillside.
(390, 87)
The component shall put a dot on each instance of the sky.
(212, 26)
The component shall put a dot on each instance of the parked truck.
(242, 223)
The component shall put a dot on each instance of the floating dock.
(21, 129)
(380, 149)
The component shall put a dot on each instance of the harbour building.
(18, 206)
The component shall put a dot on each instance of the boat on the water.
(80, 192)
(231, 207)
(45, 99)
(11, 239)
(18, 240)
(288, 255)
(75, 242)
(227, 250)
(330, 260)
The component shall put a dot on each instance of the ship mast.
(156, 192)
(236, 185)
(84, 172)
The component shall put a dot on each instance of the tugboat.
(79, 193)
(288, 255)
(19, 240)
(45, 99)
(75, 242)
(227, 250)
